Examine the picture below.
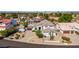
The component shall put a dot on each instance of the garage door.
(66, 32)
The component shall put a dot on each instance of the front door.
(39, 28)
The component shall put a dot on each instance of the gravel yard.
(30, 37)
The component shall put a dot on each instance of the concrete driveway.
(30, 37)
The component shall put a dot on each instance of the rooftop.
(6, 21)
(44, 23)
(68, 26)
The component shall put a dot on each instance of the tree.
(7, 32)
(39, 34)
(25, 24)
(12, 16)
(3, 14)
(51, 36)
(65, 18)
(46, 16)
(58, 14)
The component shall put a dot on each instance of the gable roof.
(44, 23)
(68, 26)
(6, 21)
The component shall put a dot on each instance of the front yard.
(31, 37)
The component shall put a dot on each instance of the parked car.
(21, 29)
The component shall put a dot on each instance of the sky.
(39, 5)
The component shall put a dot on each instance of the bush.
(33, 30)
(66, 38)
(77, 33)
(39, 34)
(65, 18)
(17, 36)
(25, 24)
(7, 32)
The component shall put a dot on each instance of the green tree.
(12, 16)
(65, 18)
(39, 34)
(25, 24)
(3, 14)
(46, 16)
(7, 32)
(58, 14)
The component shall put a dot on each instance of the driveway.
(30, 37)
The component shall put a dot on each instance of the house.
(68, 28)
(14, 21)
(43, 25)
(38, 19)
(30, 26)
(5, 24)
(1, 17)
(54, 18)
(46, 27)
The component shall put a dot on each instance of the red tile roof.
(2, 26)
(6, 21)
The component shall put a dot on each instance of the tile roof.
(68, 26)
(6, 21)
(2, 27)
(44, 23)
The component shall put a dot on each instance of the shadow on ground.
(15, 44)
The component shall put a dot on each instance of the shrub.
(51, 37)
(25, 24)
(33, 30)
(39, 34)
(77, 33)
(7, 32)
(66, 38)
(17, 36)
(65, 18)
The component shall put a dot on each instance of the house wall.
(42, 27)
(37, 28)
(5, 26)
(2, 26)
(48, 34)
(2, 29)
(46, 27)
(67, 31)
(8, 26)
(61, 31)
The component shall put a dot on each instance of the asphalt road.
(14, 44)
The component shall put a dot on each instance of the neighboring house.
(34, 21)
(68, 28)
(37, 19)
(5, 24)
(30, 26)
(1, 17)
(14, 21)
(30, 21)
(45, 26)
(54, 18)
